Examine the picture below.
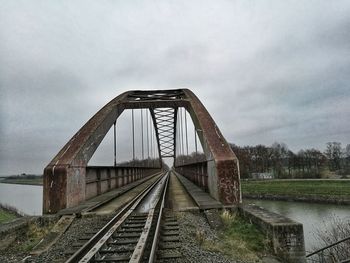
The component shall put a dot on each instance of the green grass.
(6, 216)
(33, 236)
(247, 233)
(239, 239)
(330, 188)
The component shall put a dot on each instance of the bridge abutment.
(64, 187)
(286, 235)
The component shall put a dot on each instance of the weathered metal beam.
(157, 133)
(65, 175)
(155, 104)
(223, 165)
(175, 127)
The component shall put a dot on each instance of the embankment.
(314, 191)
(35, 181)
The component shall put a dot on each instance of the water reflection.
(312, 216)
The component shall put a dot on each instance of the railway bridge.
(69, 181)
(133, 194)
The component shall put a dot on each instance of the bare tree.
(335, 230)
(334, 154)
(347, 160)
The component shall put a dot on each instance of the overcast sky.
(266, 70)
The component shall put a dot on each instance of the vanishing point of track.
(134, 233)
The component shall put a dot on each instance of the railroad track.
(139, 232)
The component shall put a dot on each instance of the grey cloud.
(266, 70)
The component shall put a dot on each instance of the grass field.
(6, 216)
(333, 188)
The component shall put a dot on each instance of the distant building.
(262, 176)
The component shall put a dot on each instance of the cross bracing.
(164, 121)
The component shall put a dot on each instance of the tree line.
(280, 162)
(276, 160)
(25, 176)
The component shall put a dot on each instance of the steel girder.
(64, 176)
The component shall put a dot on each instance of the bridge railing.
(196, 172)
(101, 179)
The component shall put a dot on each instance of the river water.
(314, 217)
(27, 199)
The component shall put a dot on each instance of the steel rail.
(102, 241)
(92, 208)
(141, 244)
(152, 256)
(78, 255)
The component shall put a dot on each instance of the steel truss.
(164, 122)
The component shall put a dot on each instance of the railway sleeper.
(123, 241)
(168, 254)
(114, 258)
(126, 235)
(137, 215)
(170, 238)
(120, 249)
(170, 219)
(131, 230)
(120, 245)
(169, 245)
(138, 222)
(170, 228)
(133, 225)
(169, 242)
(170, 234)
(171, 224)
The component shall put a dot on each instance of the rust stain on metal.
(64, 177)
(226, 162)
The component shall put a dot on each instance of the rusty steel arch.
(65, 176)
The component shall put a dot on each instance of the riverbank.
(5, 216)
(8, 213)
(314, 191)
(36, 181)
(315, 217)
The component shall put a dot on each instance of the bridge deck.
(202, 199)
(96, 201)
(179, 199)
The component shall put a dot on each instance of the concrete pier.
(286, 235)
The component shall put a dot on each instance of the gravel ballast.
(192, 226)
(192, 223)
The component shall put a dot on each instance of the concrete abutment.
(286, 235)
